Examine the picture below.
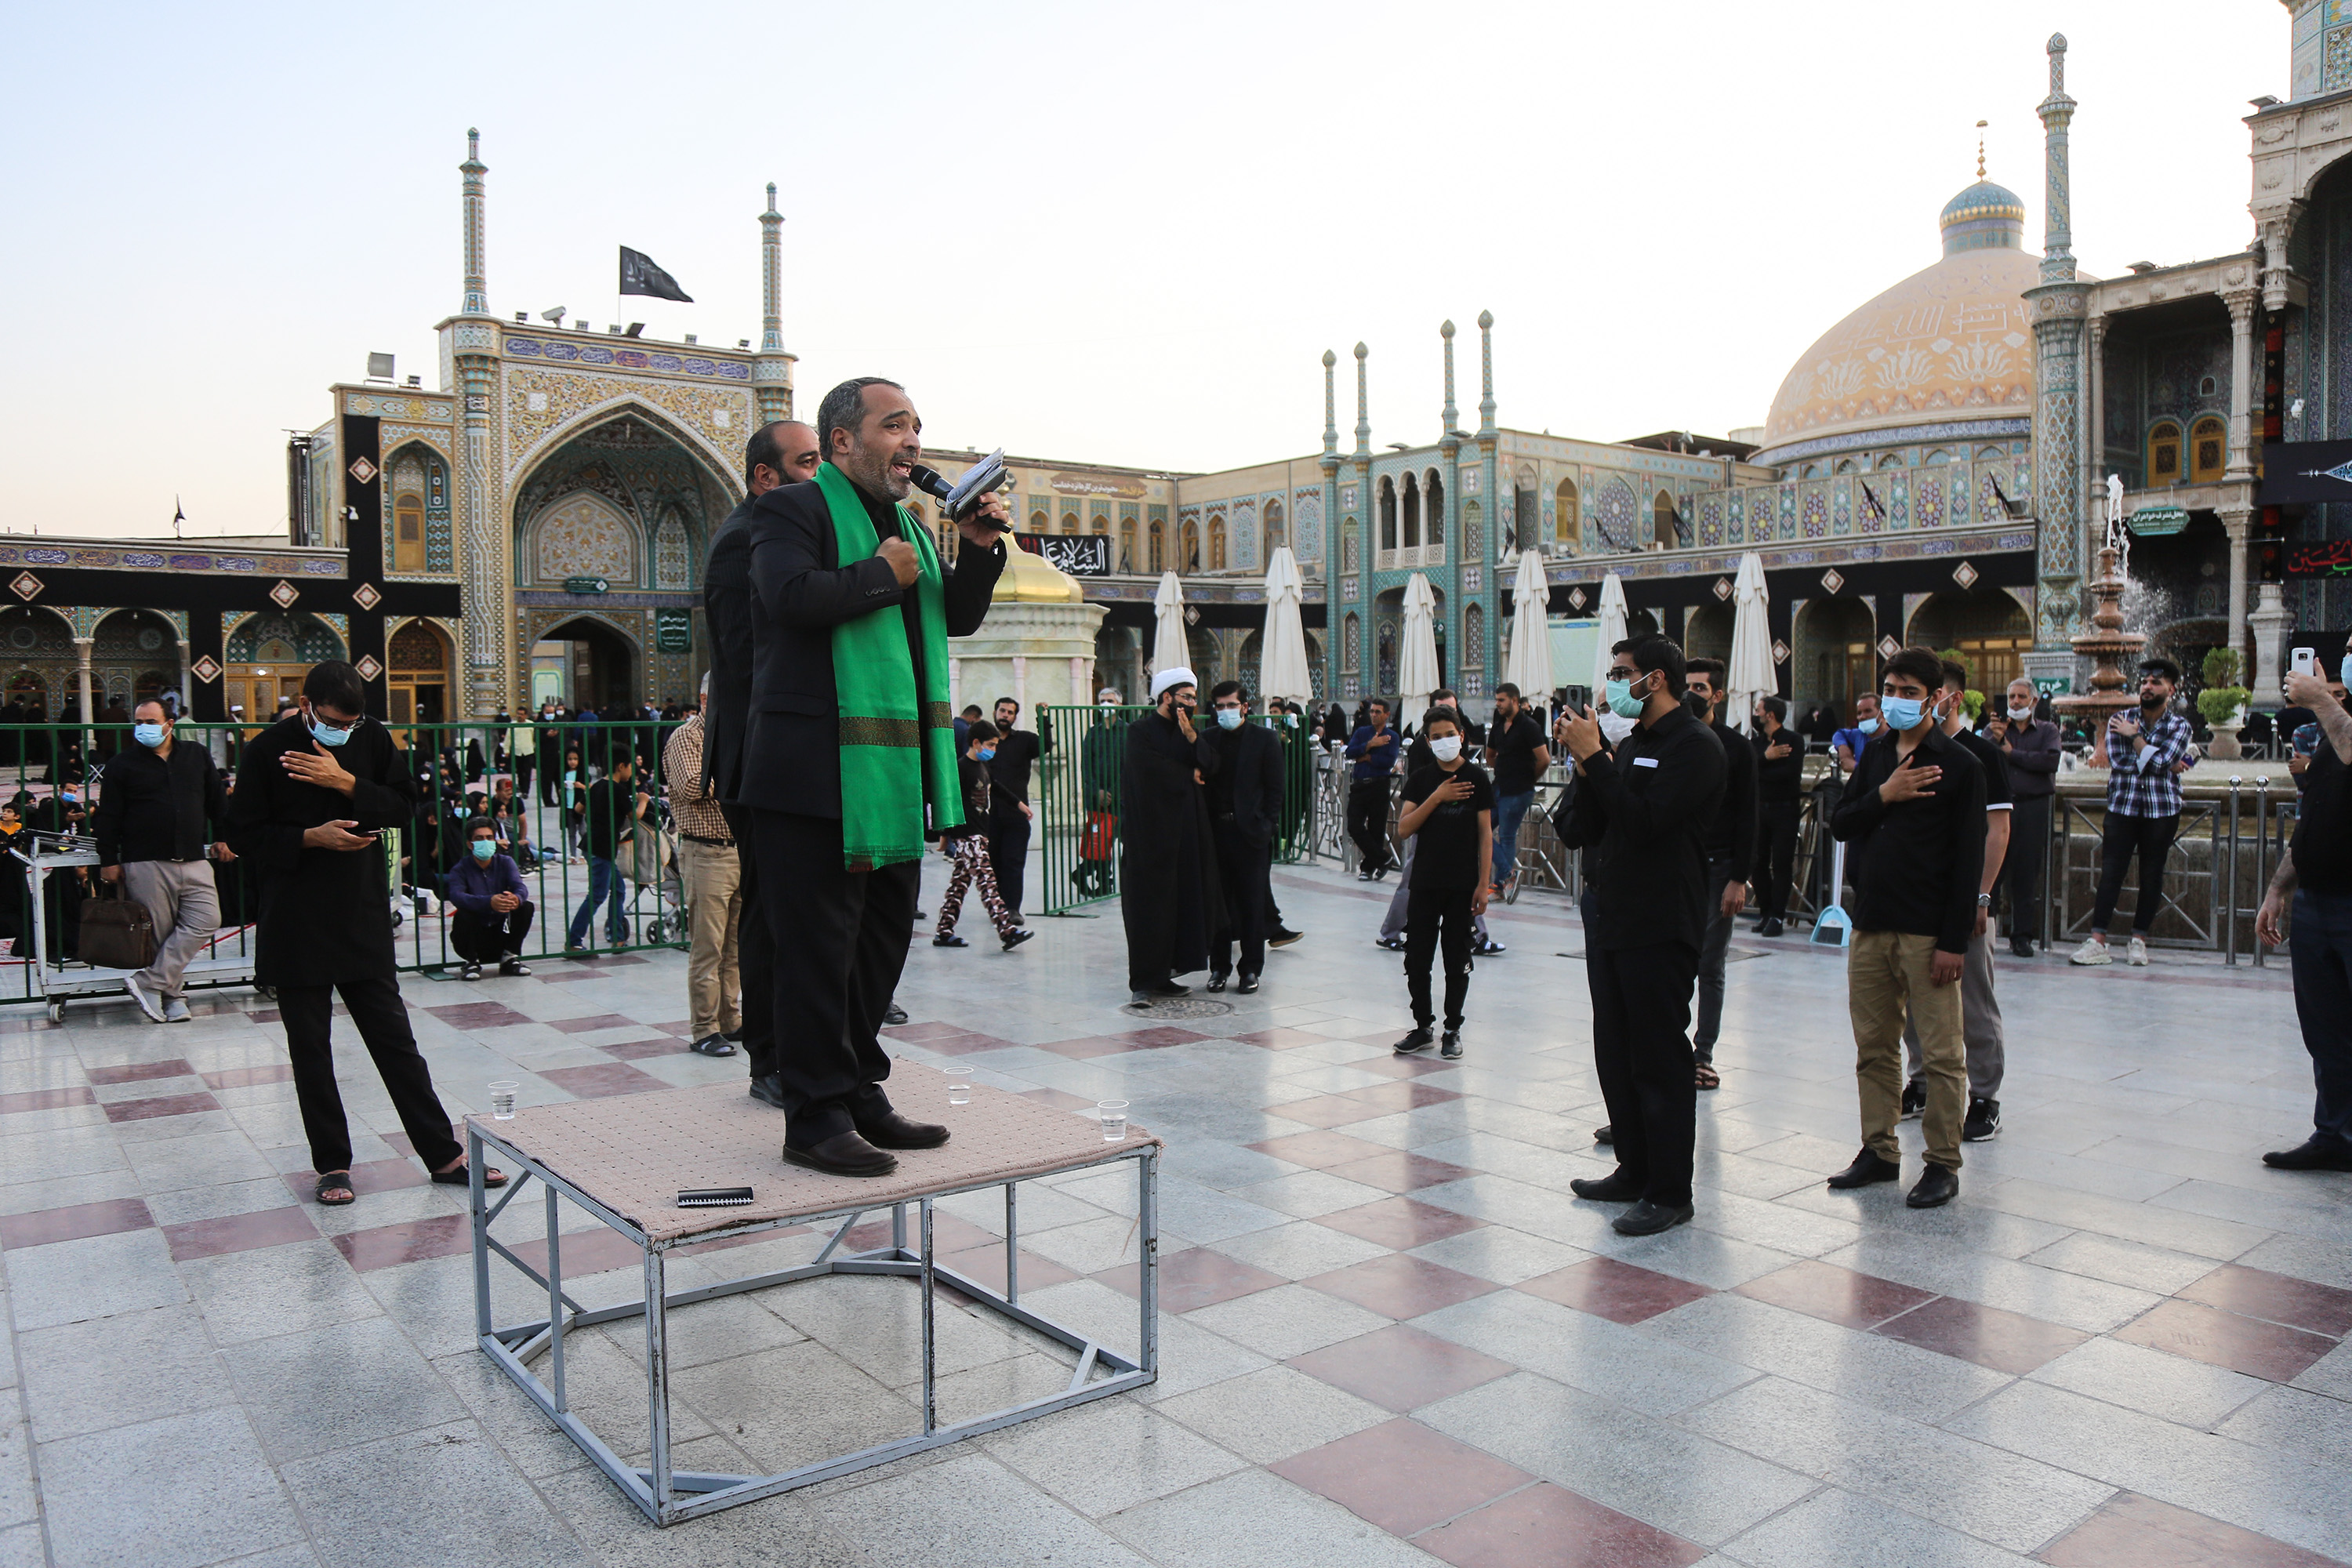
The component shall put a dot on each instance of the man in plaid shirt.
(2147, 753)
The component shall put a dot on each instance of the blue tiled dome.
(1984, 216)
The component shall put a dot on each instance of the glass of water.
(503, 1099)
(1113, 1119)
(959, 1094)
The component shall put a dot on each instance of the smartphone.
(2303, 662)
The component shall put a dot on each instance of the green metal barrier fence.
(1078, 794)
(539, 797)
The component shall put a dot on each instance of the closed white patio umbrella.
(1612, 630)
(1283, 674)
(1169, 647)
(1530, 665)
(1751, 675)
(1417, 660)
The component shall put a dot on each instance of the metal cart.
(71, 978)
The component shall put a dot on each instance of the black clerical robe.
(1168, 893)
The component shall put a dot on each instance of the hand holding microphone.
(978, 511)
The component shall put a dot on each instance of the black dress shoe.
(769, 1091)
(950, 940)
(1247, 986)
(712, 1045)
(1938, 1187)
(1283, 937)
(2021, 945)
(894, 1132)
(1216, 983)
(1612, 1188)
(1769, 928)
(1604, 1135)
(893, 1014)
(843, 1154)
(1867, 1167)
(1365, 874)
(1421, 1040)
(2315, 1153)
(1647, 1218)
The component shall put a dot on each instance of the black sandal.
(334, 1181)
(491, 1177)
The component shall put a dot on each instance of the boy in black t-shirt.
(1449, 811)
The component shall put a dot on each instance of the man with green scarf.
(850, 758)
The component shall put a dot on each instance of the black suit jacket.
(726, 605)
(1253, 755)
(799, 591)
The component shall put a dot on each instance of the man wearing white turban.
(1169, 895)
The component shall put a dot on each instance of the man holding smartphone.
(315, 792)
(2315, 874)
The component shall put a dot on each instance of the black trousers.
(1008, 852)
(1641, 1009)
(523, 764)
(2020, 873)
(488, 939)
(1367, 821)
(551, 779)
(1435, 919)
(2151, 838)
(755, 951)
(840, 938)
(1247, 871)
(1714, 952)
(382, 1019)
(1779, 825)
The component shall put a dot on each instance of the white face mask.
(1445, 748)
(2021, 715)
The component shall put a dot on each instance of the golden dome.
(1955, 342)
(1030, 579)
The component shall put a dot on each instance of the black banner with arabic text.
(2302, 472)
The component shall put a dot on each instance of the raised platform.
(625, 1160)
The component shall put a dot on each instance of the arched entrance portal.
(1834, 659)
(1989, 627)
(583, 663)
(419, 662)
(267, 656)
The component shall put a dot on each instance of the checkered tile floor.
(1390, 1335)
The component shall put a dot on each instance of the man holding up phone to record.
(315, 792)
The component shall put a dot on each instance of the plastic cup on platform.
(959, 1094)
(1113, 1114)
(503, 1099)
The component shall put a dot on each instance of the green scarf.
(894, 759)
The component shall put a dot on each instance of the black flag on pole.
(639, 275)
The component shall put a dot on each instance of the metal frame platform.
(656, 1490)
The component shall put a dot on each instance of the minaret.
(771, 367)
(1334, 530)
(2058, 306)
(1493, 507)
(481, 561)
(1363, 411)
(477, 285)
(1462, 561)
(1365, 524)
(1448, 419)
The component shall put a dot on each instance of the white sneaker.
(176, 1011)
(2093, 950)
(2136, 953)
(148, 1003)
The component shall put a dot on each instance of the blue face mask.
(2344, 671)
(461, 811)
(986, 752)
(147, 734)
(483, 848)
(326, 737)
(1867, 726)
(1229, 718)
(1903, 713)
(1620, 699)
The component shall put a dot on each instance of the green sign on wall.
(673, 631)
(586, 586)
(2053, 685)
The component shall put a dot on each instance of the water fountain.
(2112, 649)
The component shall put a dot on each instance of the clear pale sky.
(1122, 233)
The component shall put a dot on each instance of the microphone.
(962, 497)
(930, 481)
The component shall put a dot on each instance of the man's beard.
(875, 478)
(2151, 703)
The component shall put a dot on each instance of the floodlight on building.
(743, 342)
(554, 315)
(523, 316)
(416, 380)
(692, 339)
(379, 367)
(634, 327)
(613, 329)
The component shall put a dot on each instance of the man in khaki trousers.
(714, 890)
(1913, 814)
